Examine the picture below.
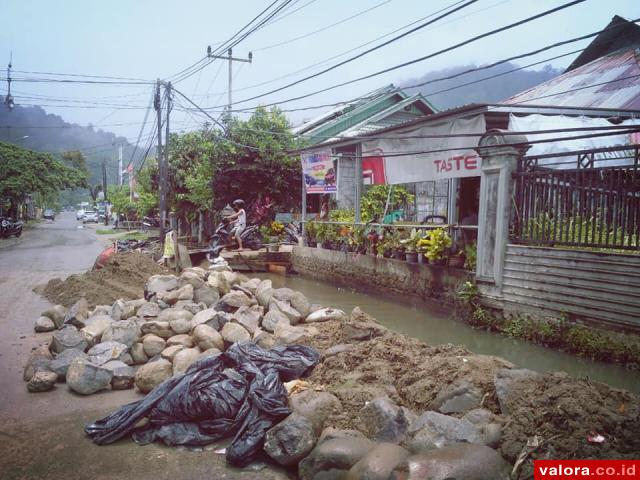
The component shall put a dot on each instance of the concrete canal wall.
(382, 275)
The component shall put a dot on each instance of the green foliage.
(342, 215)
(120, 203)
(435, 243)
(375, 199)
(471, 254)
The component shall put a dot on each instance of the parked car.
(80, 214)
(10, 227)
(49, 214)
(90, 216)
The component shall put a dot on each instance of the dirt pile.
(123, 276)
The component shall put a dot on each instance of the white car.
(80, 214)
(90, 216)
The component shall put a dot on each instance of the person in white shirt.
(240, 220)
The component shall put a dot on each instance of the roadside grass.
(106, 231)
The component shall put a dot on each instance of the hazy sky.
(148, 39)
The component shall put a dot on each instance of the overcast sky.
(148, 39)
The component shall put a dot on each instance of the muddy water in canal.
(434, 326)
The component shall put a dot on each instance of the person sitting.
(239, 218)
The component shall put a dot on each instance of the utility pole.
(231, 59)
(120, 181)
(9, 99)
(161, 186)
(165, 171)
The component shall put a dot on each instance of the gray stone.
(272, 318)
(138, 354)
(203, 317)
(44, 324)
(206, 295)
(57, 314)
(458, 397)
(173, 296)
(232, 301)
(378, 463)
(61, 363)
(326, 314)
(170, 352)
(287, 334)
(338, 349)
(152, 374)
(291, 440)
(206, 337)
(287, 310)
(264, 339)
(384, 421)
(106, 351)
(183, 359)
(160, 329)
(148, 310)
(209, 352)
(123, 375)
(183, 339)
(248, 317)
(94, 328)
(435, 430)
(179, 320)
(316, 406)
(264, 292)
(42, 381)
(200, 272)
(190, 306)
(161, 283)
(233, 332)
(86, 378)
(68, 337)
(122, 310)
(152, 345)
(460, 461)
(191, 278)
(251, 285)
(39, 359)
(330, 433)
(506, 380)
(77, 314)
(100, 310)
(332, 458)
(127, 359)
(122, 331)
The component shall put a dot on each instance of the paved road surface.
(41, 434)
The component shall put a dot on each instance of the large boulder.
(100, 310)
(233, 332)
(152, 374)
(233, 300)
(206, 295)
(172, 297)
(316, 406)
(326, 314)
(507, 380)
(248, 317)
(160, 283)
(123, 375)
(286, 334)
(152, 345)
(291, 440)
(42, 381)
(182, 339)
(138, 354)
(191, 278)
(39, 359)
(122, 331)
(333, 457)
(459, 461)
(287, 310)
(94, 328)
(86, 378)
(77, 314)
(122, 310)
(264, 292)
(61, 363)
(272, 318)
(264, 339)
(378, 463)
(68, 337)
(219, 282)
(106, 351)
(457, 397)
(160, 329)
(209, 352)
(206, 337)
(435, 430)
(178, 318)
(251, 285)
(44, 324)
(211, 317)
(384, 421)
(361, 326)
(148, 310)
(183, 359)
(170, 352)
(57, 314)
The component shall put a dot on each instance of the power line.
(81, 75)
(144, 124)
(64, 80)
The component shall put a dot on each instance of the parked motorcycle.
(293, 233)
(223, 238)
(8, 227)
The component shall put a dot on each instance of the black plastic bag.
(238, 392)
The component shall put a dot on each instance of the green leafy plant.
(375, 199)
(470, 252)
(436, 243)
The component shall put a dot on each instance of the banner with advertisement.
(450, 157)
(319, 172)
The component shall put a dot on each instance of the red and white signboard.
(428, 158)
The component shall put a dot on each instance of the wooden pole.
(176, 252)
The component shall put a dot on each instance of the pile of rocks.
(143, 342)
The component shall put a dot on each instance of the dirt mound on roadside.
(123, 276)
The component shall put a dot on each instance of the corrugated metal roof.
(573, 88)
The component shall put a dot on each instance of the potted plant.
(383, 247)
(397, 247)
(421, 247)
(310, 232)
(410, 247)
(438, 242)
(470, 251)
(457, 256)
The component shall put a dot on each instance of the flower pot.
(312, 243)
(422, 259)
(399, 255)
(273, 248)
(441, 262)
(386, 253)
(326, 244)
(412, 257)
(457, 261)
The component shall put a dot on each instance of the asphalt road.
(41, 434)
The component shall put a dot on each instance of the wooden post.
(176, 252)
(200, 227)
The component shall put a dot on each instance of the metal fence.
(586, 198)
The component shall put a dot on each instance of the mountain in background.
(488, 91)
(50, 133)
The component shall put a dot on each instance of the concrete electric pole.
(231, 59)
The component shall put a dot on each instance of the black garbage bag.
(237, 393)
